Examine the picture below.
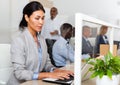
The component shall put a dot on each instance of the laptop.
(59, 81)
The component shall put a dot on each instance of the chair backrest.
(5, 64)
(50, 43)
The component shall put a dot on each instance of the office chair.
(50, 44)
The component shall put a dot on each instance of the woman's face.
(35, 21)
(105, 30)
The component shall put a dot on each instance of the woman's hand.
(64, 71)
(57, 74)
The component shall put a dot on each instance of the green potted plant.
(105, 69)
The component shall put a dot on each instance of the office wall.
(16, 12)
(116, 36)
(10, 14)
(11, 10)
(4, 14)
(106, 10)
(4, 20)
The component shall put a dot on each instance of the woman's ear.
(26, 17)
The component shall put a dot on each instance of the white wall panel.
(4, 14)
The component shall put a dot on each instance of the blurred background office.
(11, 12)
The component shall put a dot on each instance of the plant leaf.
(109, 73)
(108, 66)
(110, 55)
(101, 74)
(96, 73)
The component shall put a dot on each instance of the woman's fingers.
(61, 74)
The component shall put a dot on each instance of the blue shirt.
(62, 52)
(35, 76)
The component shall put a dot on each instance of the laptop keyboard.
(66, 80)
(59, 81)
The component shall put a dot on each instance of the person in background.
(101, 38)
(63, 52)
(51, 30)
(87, 48)
(29, 51)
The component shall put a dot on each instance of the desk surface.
(89, 82)
(40, 82)
(37, 82)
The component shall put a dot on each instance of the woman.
(101, 38)
(29, 52)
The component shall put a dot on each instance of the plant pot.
(105, 80)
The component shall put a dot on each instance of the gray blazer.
(25, 60)
(85, 48)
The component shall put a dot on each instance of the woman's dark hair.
(28, 10)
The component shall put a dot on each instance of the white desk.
(40, 82)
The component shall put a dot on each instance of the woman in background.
(29, 51)
(101, 38)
